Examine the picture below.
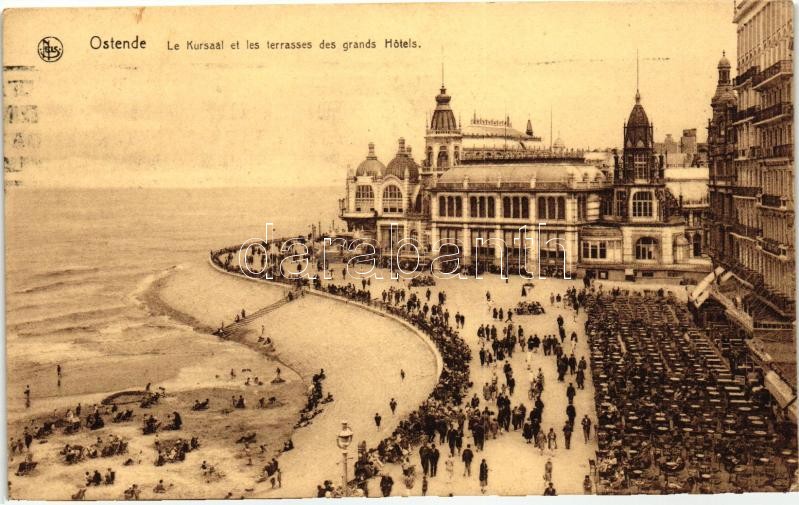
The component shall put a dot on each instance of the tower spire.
(637, 89)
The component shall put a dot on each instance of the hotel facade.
(750, 295)
(478, 184)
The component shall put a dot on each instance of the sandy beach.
(185, 304)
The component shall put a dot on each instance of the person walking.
(386, 483)
(567, 434)
(552, 439)
(435, 454)
(570, 393)
(483, 476)
(449, 466)
(548, 470)
(377, 420)
(550, 490)
(27, 396)
(393, 405)
(467, 456)
(588, 488)
(586, 422)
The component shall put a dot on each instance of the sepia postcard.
(380, 250)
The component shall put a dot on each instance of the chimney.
(372, 150)
(401, 145)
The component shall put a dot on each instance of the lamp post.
(343, 440)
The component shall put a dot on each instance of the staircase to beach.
(233, 327)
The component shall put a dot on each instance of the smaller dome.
(371, 166)
(724, 62)
(559, 143)
(401, 162)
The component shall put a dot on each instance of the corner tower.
(443, 137)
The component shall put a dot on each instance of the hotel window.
(458, 206)
(482, 248)
(552, 245)
(392, 199)
(473, 206)
(513, 242)
(525, 207)
(450, 240)
(506, 210)
(639, 162)
(645, 248)
(581, 207)
(642, 204)
(595, 250)
(551, 207)
(364, 199)
(442, 206)
(491, 209)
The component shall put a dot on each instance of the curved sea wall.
(341, 299)
(451, 352)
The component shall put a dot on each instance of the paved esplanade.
(515, 467)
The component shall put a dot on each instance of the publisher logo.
(50, 49)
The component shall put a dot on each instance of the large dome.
(371, 166)
(401, 162)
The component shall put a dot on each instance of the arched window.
(516, 207)
(551, 207)
(525, 207)
(473, 206)
(646, 248)
(457, 155)
(392, 199)
(364, 199)
(542, 207)
(442, 206)
(505, 207)
(418, 206)
(561, 207)
(697, 244)
(429, 156)
(458, 206)
(642, 204)
(443, 157)
(491, 206)
(450, 206)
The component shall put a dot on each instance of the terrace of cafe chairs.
(661, 386)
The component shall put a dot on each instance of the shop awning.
(782, 392)
(603, 232)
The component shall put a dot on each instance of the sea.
(77, 259)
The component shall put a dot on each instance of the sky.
(272, 118)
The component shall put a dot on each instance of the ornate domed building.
(479, 184)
